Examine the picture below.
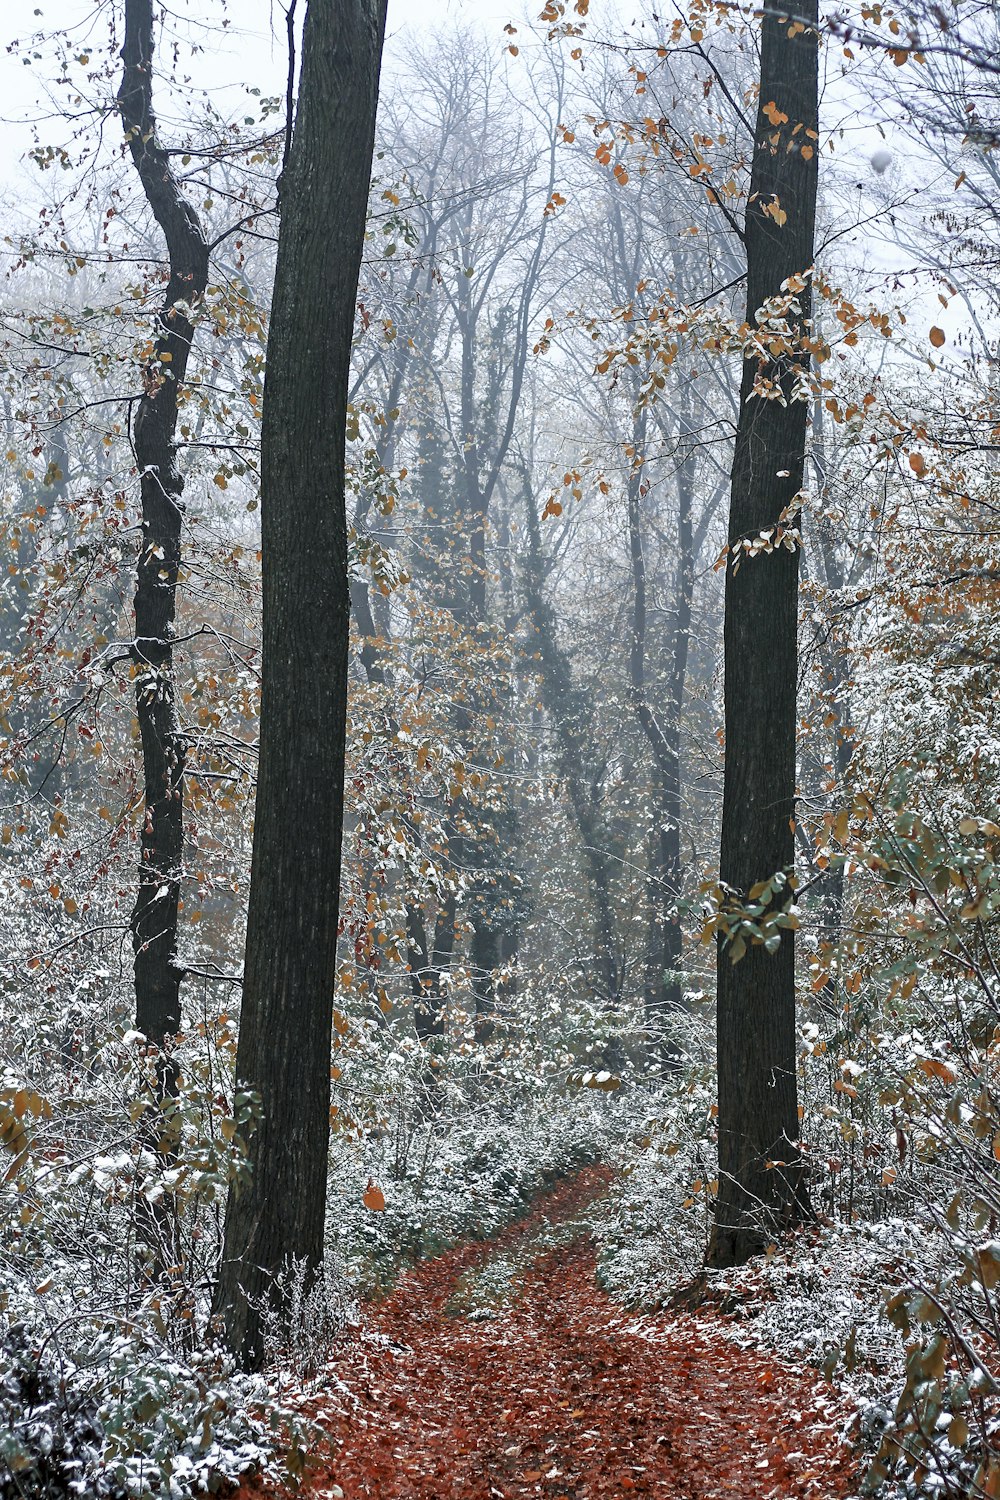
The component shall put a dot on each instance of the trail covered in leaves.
(501, 1370)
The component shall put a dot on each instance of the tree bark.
(761, 1187)
(154, 917)
(285, 1029)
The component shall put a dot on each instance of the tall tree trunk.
(154, 917)
(284, 1044)
(761, 1189)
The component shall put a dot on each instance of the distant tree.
(576, 755)
(285, 1030)
(760, 1173)
(483, 174)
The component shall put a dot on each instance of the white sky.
(251, 52)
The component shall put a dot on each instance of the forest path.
(502, 1372)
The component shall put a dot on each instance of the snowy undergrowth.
(823, 1296)
(111, 1384)
(653, 1239)
(463, 1170)
(432, 1147)
(93, 1407)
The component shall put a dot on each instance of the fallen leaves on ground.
(562, 1394)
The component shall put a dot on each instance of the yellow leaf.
(958, 1432)
(12, 1133)
(988, 1267)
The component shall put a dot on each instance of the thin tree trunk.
(154, 917)
(285, 1029)
(761, 1186)
(662, 988)
(565, 709)
(428, 1000)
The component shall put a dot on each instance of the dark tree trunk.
(484, 960)
(154, 918)
(425, 981)
(761, 1186)
(370, 652)
(284, 1045)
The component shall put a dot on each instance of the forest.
(499, 777)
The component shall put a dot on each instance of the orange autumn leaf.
(936, 337)
(373, 1198)
(933, 1067)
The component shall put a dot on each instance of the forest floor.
(501, 1370)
